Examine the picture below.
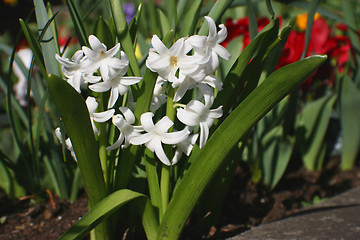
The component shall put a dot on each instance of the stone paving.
(333, 219)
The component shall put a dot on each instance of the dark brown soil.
(247, 204)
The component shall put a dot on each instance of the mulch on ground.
(247, 204)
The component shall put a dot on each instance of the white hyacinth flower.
(20, 88)
(125, 123)
(104, 59)
(168, 62)
(159, 98)
(68, 143)
(97, 116)
(184, 147)
(76, 70)
(117, 84)
(196, 113)
(209, 46)
(157, 134)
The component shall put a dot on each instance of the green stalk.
(165, 170)
(123, 34)
(153, 181)
(103, 144)
(165, 187)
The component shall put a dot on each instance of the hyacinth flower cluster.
(190, 63)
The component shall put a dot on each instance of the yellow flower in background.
(11, 2)
(301, 20)
(138, 54)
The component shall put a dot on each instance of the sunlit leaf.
(239, 122)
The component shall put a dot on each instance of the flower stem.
(103, 144)
(165, 187)
(165, 170)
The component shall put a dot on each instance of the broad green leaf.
(108, 206)
(75, 116)
(48, 45)
(350, 118)
(311, 129)
(213, 155)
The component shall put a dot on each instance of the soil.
(247, 204)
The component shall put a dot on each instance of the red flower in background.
(241, 28)
(322, 41)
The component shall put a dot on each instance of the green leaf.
(310, 20)
(78, 24)
(311, 129)
(233, 81)
(253, 28)
(350, 118)
(48, 45)
(35, 47)
(76, 119)
(213, 155)
(188, 23)
(275, 155)
(103, 33)
(215, 13)
(108, 206)
(75, 116)
(164, 21)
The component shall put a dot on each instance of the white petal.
(143, 138)
(95, 44)
(91, 104)
(197, 41)
(175, 137)
(177, 48)
(177, 156)
(189, 118)
(159, 151)
(147, 122)
(114, 95)
(204, 134)
(212, 27)
(222, 52)
(103, 116)
(90, 53)
(163, 125)
(128, 114)
(116, 144)
(113, 51)
(122, 89)
(159, 45)
(130, 80)
(100, 87)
